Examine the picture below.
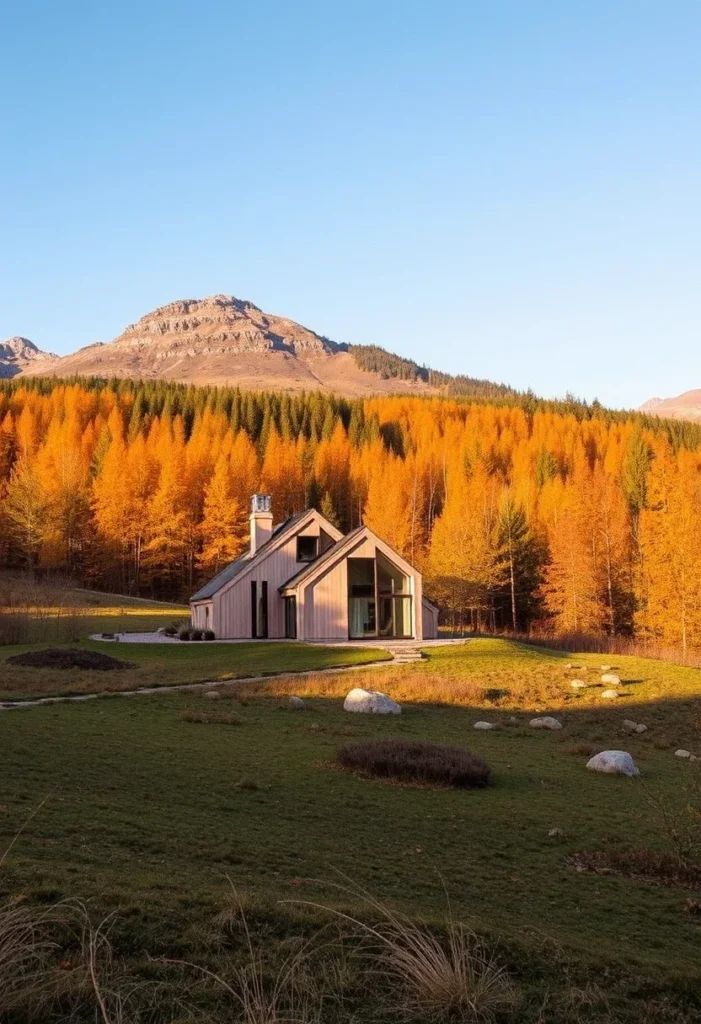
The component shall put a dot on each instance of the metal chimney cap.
(261, 503)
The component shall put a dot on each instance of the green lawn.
(146, 814)
(169, 664)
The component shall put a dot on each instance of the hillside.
(225, 340)
(686, 406)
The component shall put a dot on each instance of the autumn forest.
(522, 515)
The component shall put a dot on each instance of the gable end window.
(307, 549)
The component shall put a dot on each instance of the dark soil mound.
(68, 657)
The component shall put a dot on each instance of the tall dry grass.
(35, 612)
(449, 976)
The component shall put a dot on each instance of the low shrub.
(196, 634)
(184, 634)
(208, 634)
(170, 631)
(415, 761)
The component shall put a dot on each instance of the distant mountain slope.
(17, 354)
(224, 340)
(684, 407)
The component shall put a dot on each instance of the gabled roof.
(244, 561)
(324, 557)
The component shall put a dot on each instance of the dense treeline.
(388, 365)
(518, 511)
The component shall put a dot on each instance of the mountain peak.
(17, 353)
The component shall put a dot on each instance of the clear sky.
(505, 189)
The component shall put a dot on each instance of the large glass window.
(379, 599)
(362, 607)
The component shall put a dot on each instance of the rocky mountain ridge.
(18, 353)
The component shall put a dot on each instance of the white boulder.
(629, 726)
(578, 684)
(212, 695)
(609, 694)
(640, 727)
(613, 762)
(682, 753)
(483, 725)
(295, 704)
(545, 723)
(605, 668)
(611, 678)
(370, 702)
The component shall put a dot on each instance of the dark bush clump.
(184, 634)
(68, 657)
(196, 634)
(170, 631)
(415, 761)
(208, 634)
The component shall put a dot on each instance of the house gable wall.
(322, 599)
(232, 604)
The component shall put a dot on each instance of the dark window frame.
(302, 538)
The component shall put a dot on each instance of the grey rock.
(609, 694)
(483, 725)
(212, 695)
(295, 704)
(546, 722)
(613, 762)
(370, 702)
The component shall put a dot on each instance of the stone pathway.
(13, 705)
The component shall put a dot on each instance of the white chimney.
(261, 521)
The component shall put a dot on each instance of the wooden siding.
(198, 615)
(325, 605)
(232, 605)
(429, 621)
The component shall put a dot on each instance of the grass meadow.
(224, 833)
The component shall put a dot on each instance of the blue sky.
(505, 189)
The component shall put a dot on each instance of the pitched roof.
(230, 571)
(325, 556)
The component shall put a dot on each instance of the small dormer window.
(307, 549)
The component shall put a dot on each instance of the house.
(306, 580)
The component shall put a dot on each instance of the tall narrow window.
(259, 610)
(291, 618)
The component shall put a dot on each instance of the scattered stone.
(611, 678)
(483, 725)
(613, 762)
(605, 668)
(682, 753)
(295, 704)
(370, 702)
(556, 833)
(629, 726)
(578, 684)
(545, 723)
(212, 695)
(609, 694)
(640, 727)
